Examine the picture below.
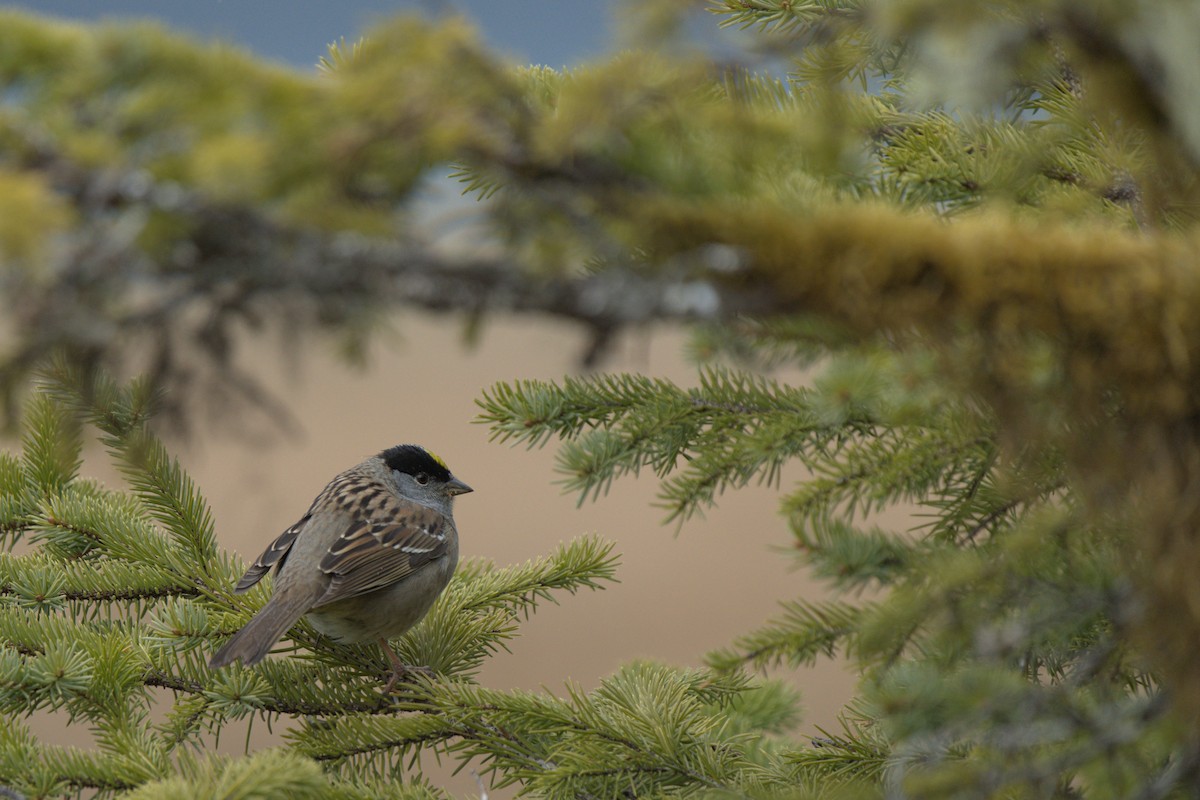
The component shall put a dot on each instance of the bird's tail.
(252, 642)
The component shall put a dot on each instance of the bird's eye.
(421, 478)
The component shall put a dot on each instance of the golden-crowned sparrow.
(366, 562)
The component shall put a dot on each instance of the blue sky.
(556, 33)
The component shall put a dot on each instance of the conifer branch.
(275, 262)
(523, 732)
(379, 704)
(803, 633)
(120, 591)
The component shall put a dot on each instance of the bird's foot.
(399, 668)
(401, 671)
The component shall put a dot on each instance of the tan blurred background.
(679, 596)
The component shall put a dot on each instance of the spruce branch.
(729, 430)
(851, 558)
(267, 773)
(635, 719)
(275, 262)
(157, 479)
(121, 592)
(786, 16)
(858, 752)
(51, 443)
(892, 467)
(804, 632)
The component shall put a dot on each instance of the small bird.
(366, 562)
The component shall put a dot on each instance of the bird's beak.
(455, 486)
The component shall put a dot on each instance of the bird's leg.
(399, 668)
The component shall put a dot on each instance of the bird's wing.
(277, 551)
(371, 555)
(274, 555)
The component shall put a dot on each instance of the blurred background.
(554, 33)
(682, 592)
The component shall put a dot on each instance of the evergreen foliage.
(995, 639)
(974, 223)
(122, 593)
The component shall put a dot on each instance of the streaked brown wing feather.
(277, 551)
(274, 555)
(371, 555)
